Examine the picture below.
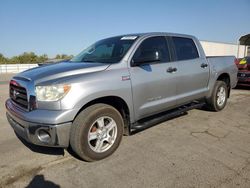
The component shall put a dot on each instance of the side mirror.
(146, 57)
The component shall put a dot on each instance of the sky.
(68, 26)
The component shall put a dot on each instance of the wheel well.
(118, 103)
(225, 78)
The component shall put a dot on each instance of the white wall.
(220, 49)
(16, 68)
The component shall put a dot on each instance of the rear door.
(192, 70)
(153, 88)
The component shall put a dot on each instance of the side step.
(159, 118)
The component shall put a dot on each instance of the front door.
(153, 86)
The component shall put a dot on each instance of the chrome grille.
(18, 94)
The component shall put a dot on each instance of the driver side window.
(153, 48)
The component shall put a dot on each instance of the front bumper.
(244, 78)
(38, 133)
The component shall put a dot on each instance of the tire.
(96, 132)
(219, 97)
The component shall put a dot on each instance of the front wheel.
(96, 132)
(219, 96)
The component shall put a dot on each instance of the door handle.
(204, 65)
(171, 69)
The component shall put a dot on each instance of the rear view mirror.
(146, 57)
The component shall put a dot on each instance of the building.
(221, 49)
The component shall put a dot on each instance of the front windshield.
(110, 50)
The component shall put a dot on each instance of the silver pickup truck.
(115, 87)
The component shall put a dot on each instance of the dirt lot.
(200, 149)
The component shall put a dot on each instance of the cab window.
(185, 48)
(154, 46)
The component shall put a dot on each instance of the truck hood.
(60, 70)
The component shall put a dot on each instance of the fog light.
(44, 136)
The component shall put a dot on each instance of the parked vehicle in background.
(116, 86)
(237, 61)
(244, 72)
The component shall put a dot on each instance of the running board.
(164, 116)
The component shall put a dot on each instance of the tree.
(30, 57)
(63, 56)
(42, 58)
(27, 57)
(3, 59)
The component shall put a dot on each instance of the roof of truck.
(157, 33)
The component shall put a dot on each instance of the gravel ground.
(200, 149)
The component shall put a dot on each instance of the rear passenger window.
(185, 48)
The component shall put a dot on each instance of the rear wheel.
(219, 96)
(96, 132)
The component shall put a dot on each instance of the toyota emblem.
(15, 94)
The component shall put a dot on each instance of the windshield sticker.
(129, 38)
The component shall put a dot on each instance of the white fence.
(15, 68)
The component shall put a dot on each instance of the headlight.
(52, 92)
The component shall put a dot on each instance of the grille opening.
(18, 94)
